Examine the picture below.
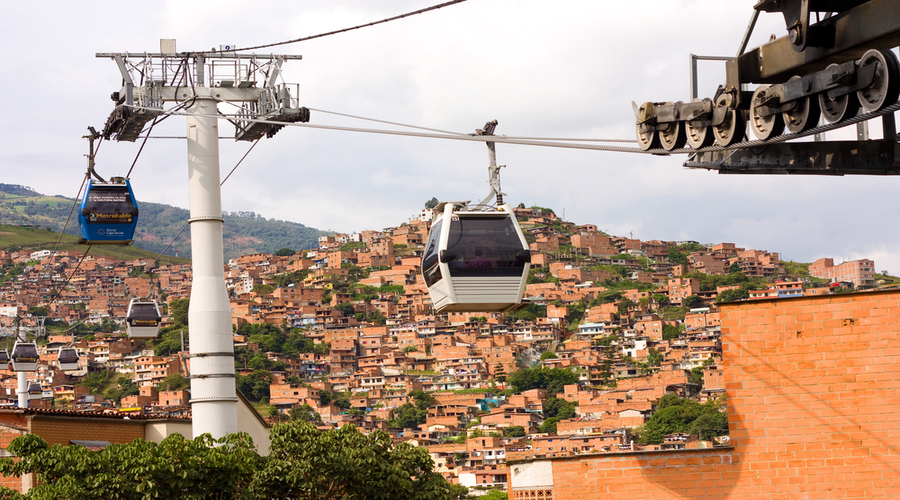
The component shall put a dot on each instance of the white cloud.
(566, 70)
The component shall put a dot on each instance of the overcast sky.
(570, 70)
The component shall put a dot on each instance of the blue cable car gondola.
(109, 213)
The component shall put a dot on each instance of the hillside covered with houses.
(618, 348)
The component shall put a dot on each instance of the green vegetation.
(174, 382)
(110, 384)
(409, 415)
(33, 240)
(284, 280)
(263, 290)
(555, 410)
(244, 232)
(796, 269)
(671, 331)
(304, 462)
(529, 313)
(675, 414)
(551, 379)
(514, 431)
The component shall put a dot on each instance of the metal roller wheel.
(671, 135)
(698, 136)
(732, 129)
(804, 117)
(839, 108)
(764, 127)
(885, 87)
(646, 140)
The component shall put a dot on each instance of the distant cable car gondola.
(67, 358)
(143, 319)
(475, 260)
(109, 213)
(35, 391)
(24, 356)
(4, 356)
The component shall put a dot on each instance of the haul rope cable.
(59, 239)
(158, 256)
(401, 16)
(558, 143)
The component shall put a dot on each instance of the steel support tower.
(199, 82)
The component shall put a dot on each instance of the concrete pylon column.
(22, 389)
(213, 396)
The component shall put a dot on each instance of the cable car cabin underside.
(108, 213)
(475, 261)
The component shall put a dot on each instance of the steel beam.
(876, 157)
(874, 24)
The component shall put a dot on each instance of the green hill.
(34, 239)
(244, 232)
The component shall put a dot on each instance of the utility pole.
(199, 81)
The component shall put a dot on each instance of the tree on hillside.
(433, 202)
(284, 252)
(305, 413)
(692, 301)
(178, 311)
(551, 379)
(675, 414)
(671, 331)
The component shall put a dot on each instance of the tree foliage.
(175, 468)
(178, 311)
(304, 463)
(675, 414)
(551, 379)
(345, 464)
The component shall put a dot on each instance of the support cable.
(557, 143)
(60, 289)
(59, 239)
(186, 224)
(401, 16)
(149, 130)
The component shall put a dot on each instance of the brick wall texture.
(61, 430)
(813, 388)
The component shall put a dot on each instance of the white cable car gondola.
(34, 391)
(475, 260)
(24, 356)
(67, 358)
(143, 319)
(4, 356)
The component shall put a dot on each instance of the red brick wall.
(7, 434)
(60, 430)
(661, 475)
(813, 385)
